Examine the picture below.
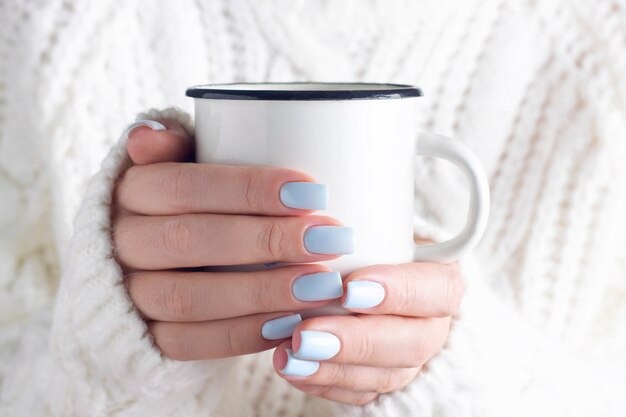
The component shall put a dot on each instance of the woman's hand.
(172, 217)
(403, 319)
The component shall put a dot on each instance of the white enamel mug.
(361, 141)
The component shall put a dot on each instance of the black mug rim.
(352, 91)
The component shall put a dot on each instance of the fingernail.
(317, 345)
(152, 124)
(281, 327)
(329, 240)
(299, 367)
(318, 286)
(304, 195)
(364, 294)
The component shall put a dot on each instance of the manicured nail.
(152, 124)
(304, 195)
(299, 367)
(329, 240)
(317, 345)
(364, 294)
(281, 327)
(318, 286)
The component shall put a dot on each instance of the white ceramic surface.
(362, 149)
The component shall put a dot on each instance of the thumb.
(151, 141)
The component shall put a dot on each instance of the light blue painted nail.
(318, 346)
(329, 240)
(304, 195)
(281, 327)
(152, 124)
(299, 367)
(318, 286)
(364, 294)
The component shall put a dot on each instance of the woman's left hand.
(402, 319)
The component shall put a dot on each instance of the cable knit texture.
(536, 88)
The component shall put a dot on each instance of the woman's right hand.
(172, 216)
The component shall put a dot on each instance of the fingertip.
(137, 146)
(152, 124)
(366, 290)
(147, 143)
(280, 356)
(295, 340)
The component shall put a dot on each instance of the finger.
(418, 289)
(171, 188)
(200, 296)
(338, 375)
(191, 240)
(147, 146)
(339, 395)
(370, 340)
(213, 339)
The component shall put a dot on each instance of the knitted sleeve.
(106, 360)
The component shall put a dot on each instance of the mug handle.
(429, 144)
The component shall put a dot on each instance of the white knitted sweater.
(536, 88)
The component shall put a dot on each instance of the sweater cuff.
(106, 357)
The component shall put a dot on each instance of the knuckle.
(271, 239)
(176, 235)
(252, 181)
(235, 344)
(262, 295)
(365, 348)
(178, 186)
(454, 291)
(178, 299)
(334, 375)
(410, 294)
